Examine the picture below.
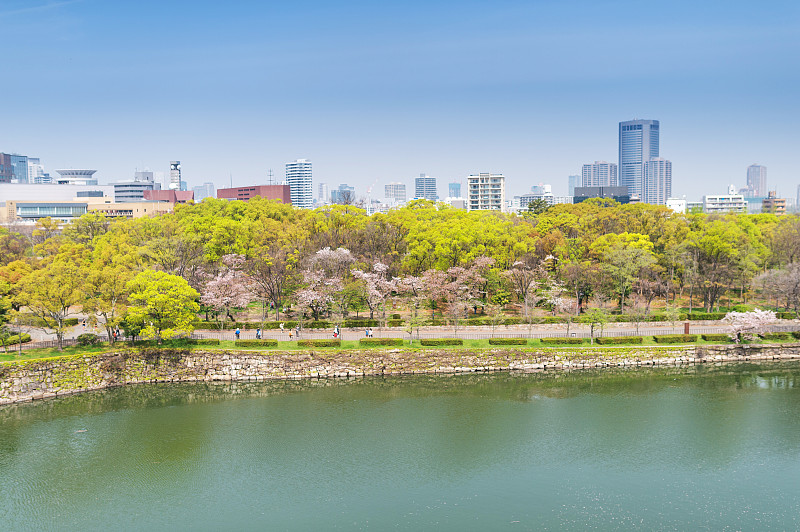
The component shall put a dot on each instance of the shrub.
(777, 336)
(512, 321)
(786, 315)
(796, 334)
(716, 337)
(256, 343)
(616, 340)
(561, 340)
(360, 323)
(697, 316)
(395, 316)
(394, 323)
(675, 338)
(431, 342)
(508, 341)
(15, 339)
(319, 343)
(88, 339)
(368, 342)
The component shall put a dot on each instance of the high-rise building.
(133, 190)
(425, 188)
(756, 181)
(206, 190)
(486, 192)
(657, 181)
(573, 181)
(35, 170)
(454, 190)
(638, 143)
(344, 195)
(20, 165)
(324, 194)
(76, 177)
(395, 192)
(175, 175)
(599, 174)
(298, 177)
(6, 169)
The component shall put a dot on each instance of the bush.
(697, 316)
(395, 316)
(675, 338)
(777, 336)
(508, 341)
(256, 343)
(369, 342)
(716, 337)
(786, 315)
(561, 340)
(88, 339)
(432, 342)
(360, 323)
(394, 323)
(319, 343)
(15, 339)
(617, 340)
(796, 335)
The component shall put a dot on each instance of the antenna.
(231, 179)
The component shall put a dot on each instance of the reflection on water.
(681, 447)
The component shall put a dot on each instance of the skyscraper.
(599, 174)
(175, 175)
(486, 192)
(395, 192)
(657, 181)
(425, 188)
(757, 181)
(206, 190)
(298, 177)
(323, 194)
(573, 181)
(20, 165)
(454, 190)
(6, 169)
(638, 142)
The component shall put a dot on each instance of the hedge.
(319, 343)
(615, 340)
(256, 343)
(394, 323)
(508, 341)
(675, 338)
(716, 337)
(394, 342)
(87, 339)
(431, 342)
(395, 316)
(796, 334)
(561, 340)
(697, 316)
(14, 339)
(777, 336)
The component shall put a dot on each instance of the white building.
(544, 192)
(323, 194)
(486, 192)
(425, 188)
(298, 177)
(395, 192)
(175, 175)
(677, 204)
(657, 186)
(598, 174)
(133, 190)
(723, 203)
(76, 177)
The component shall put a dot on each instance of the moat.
(714, 446)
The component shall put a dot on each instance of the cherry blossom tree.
(746, 325)
(379, 286)
(228, 289)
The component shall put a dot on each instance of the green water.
(714, 448)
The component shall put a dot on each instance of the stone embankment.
(22, 381)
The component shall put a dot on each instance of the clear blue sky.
(381, 91)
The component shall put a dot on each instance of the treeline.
(153, 276)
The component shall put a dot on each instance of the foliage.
(617, 340)
(508, 341)
(369, 342)
(675, 338)
(256, 343)
(562, 340)
(432, 342)
(319, 343)
(745, 325)
(716, 337)
(164, 304)
(88, 339)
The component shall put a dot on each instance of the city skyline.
(506, 101)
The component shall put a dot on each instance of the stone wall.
(38, 379)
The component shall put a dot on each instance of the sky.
(373, 92)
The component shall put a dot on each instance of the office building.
(756, 181)
(572, 182)
(6, 168)
(657, 181)
(638, 143)
(619, 194)
(169, 195)
(395, 192)
(486, 192)
(19, 163)
(36, 173)
(538, 192)
(598, 174)
(677, 204)
(76, 177)
(454, 190)
(772, 203)
(298, 177)
(425, 188)
(206, 190)
(323, 194)
(725, 203)
(52, 192)
(281, 193)
(175, 175)
(133, 189)
(343, 195)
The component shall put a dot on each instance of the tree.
(51, 292)
(229, 289)
(163, 303)
(378, 286)
(270, 274)
(745, 325)
(783, 285)
(595, 318)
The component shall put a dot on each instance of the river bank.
(22, 381)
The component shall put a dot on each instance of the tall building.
(638, 143)
(76, 177)
(454, 190)
(206, 190)
(20, 165)
(6, 169)
(756, 181)
(344, 195)
(573, 181)
(599, 174)
(486, 192)
(35, 170)
(724, 203)
(323, 194)
(425, 188)
(657, 181)
(133, 190)
(298, 177)
(175, 175)
(395, 192)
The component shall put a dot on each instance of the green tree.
(163, 303)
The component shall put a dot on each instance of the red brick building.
(278, 192)
(169, 195)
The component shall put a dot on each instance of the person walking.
(237, 332)
(258, 333)
(281, 326)
(297, 330)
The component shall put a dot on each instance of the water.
(713, 448)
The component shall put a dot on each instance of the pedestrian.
(238, 332)
(369, 332)
(281, 327)
(258, 333)
(297, 330)
(290, 334)
(366, 333)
